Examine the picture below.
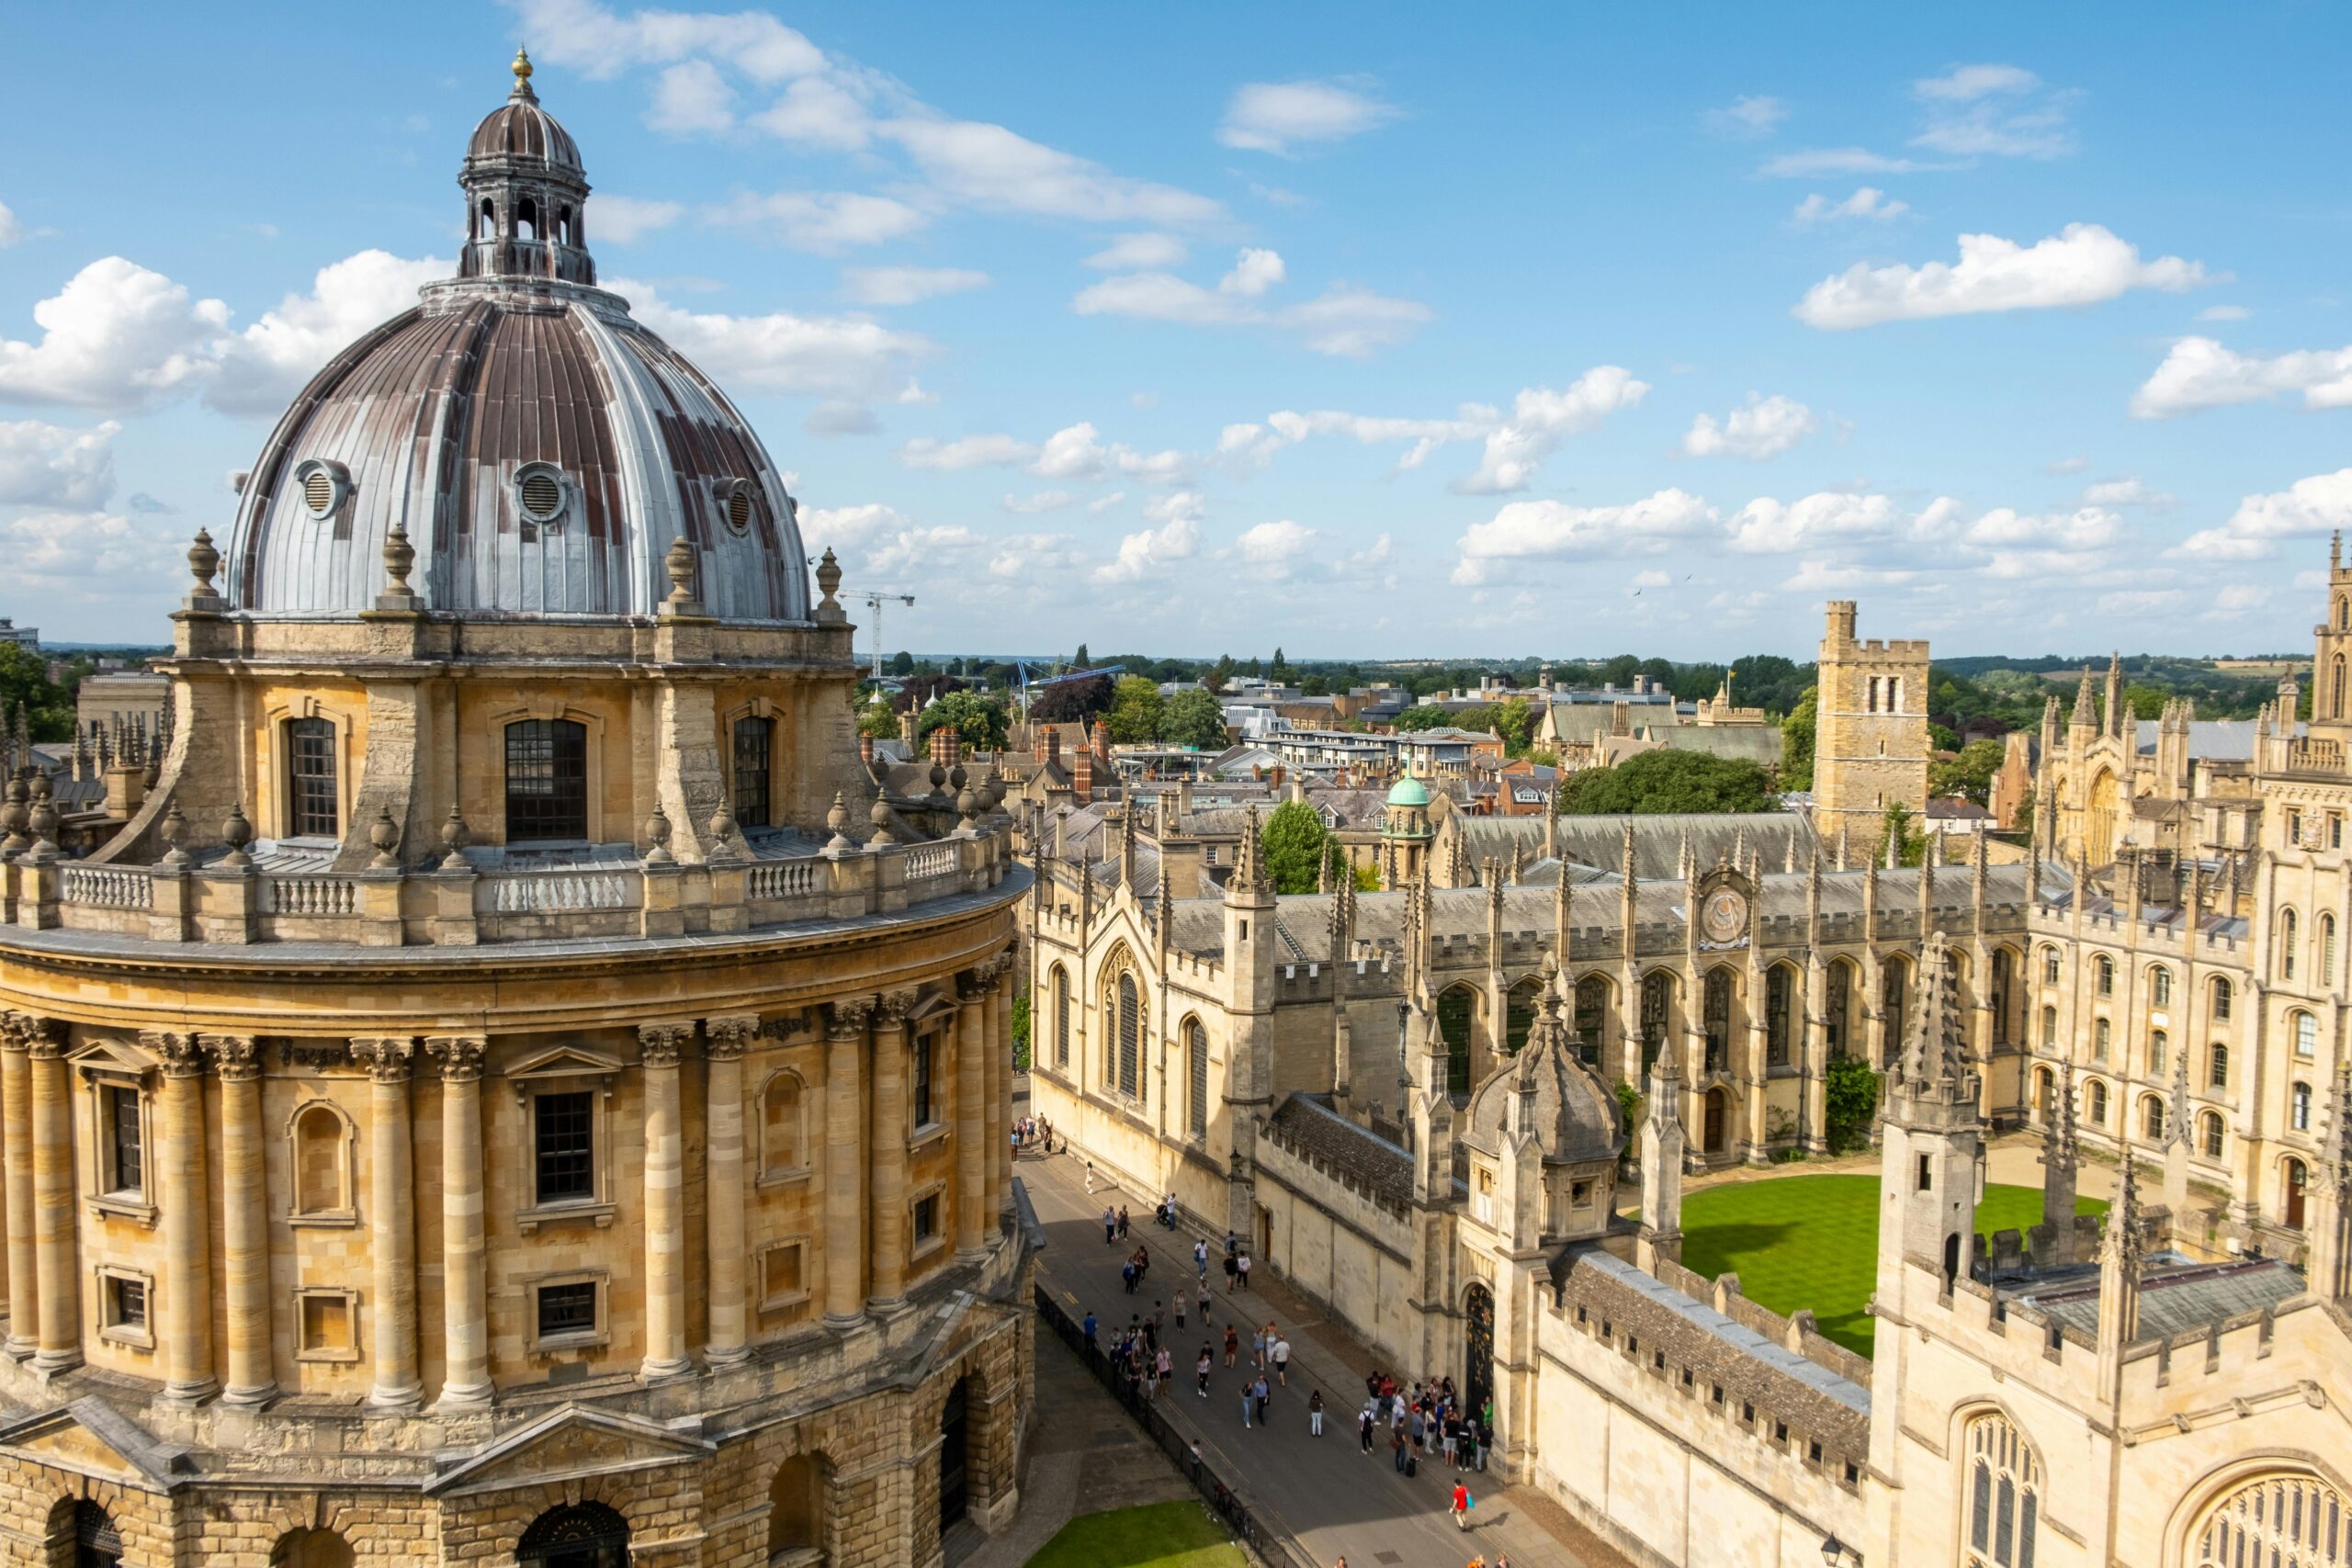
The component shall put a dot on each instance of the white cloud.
(1274, 552)
(1177, 506)
(881, 540)
(1132, 252)
(822, 222)
(2134, 604)
(77, 557)
(1996, 111)
(11, 231)
(2081, 265)
(2131, 492)
(1253, 273)
(1765, 428)
(1819, 161)
(1344, 319)
(1825, 520)
(2199, 373)
(1868, 202)
(1043, 501)
(1103, 503)
(2236, 600)
(624, 220)
(1273, 116)
(2086, 529)
(1352, 322)
(989, 167)
(819, 113)
(2066, 466)
(2311, 508)
(1553, 530)
(1747, 115)
(827, 357)
(1541, 419)
(1648, 580)
(692, 98)
(2224, 313)
(966, 452)
(1162, 296)
(1074, 452)
(263, 366)
(117, 338)
(841, 417)
(47, 464)
(601, 43)
(1966, 83)
(908, 285)
(1149, 553)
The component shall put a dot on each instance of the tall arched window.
(321, 1161)
(2158, 1052)
(1061, 1018)
(2103, 975)
(754, 741)
(2217, 1071)
(1519, 1006)
(2102, 1038)
(2223, 994)
(2049, 965)
(2297, 1181)
(2299, 1107)
(2152, 1118)
(547, 780)
(1130, 1035)
(1196, 1066)
(2335, 686)
(1455, 1009)
(2279, 1521)
(1718, 1019)
(2286, 931)
(1780, 1013)
(784, 1135)
(1836, 1005)
(1657, 994)
(2160, 987)
(2006, 1016)
(1891, 1004)
(2048, 1029)
(2095, 1103)
(2003, 1496)
(2306, 1035)
(311, 805)
(1593, 1017)
(2210, 1133)
(2327, 949)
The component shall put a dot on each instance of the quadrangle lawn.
(1156, 1535)
(1812, 1241)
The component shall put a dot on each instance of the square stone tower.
(1870, 747)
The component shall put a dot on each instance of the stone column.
(187, 1209)
(660, 1046)
(465, 1305)
(975, 1150)
(888, 1181)
(391, 1221)
(244, 1222)
(16, 1137)
(998, 1081)
(59, 1264)
(726, 1039)
(845, 1162)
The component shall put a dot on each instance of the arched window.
(784, 1126)
(486, 222)
(1718, 1019)
(312, 808)
(578, 1535)
(2049, 965)
(2327, 949)
(1780, 1014)
(1657, 997)
(1061, 1018)
(797, 1506)
(2046, 1087)
(1454, 1009)
(2103, 975)
(1196, 1071)
(2306, 1035)
(2160, 987)
(2210, 1133)
(2102, 1036)
(2222, 995)
(2299, 1107)
(2050, 1028)
(1519, 1009)
(1130, 1036)
(1593, 1017)
(1890, 1003)
(2291, 1210)
(2003, 1496)
(2152, 1118)
(2217, 1069)
(1836, 1005)
(2279, 1521)
(2287, 930)
(547, 780)
(82, 1533)
(2335, 686)
(755, 742)
(2156, 1053)
(2095, 1103)
(2006, 1016)
(321, 1161)
(526, 220)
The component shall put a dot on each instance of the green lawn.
(1812, 1241)
(1157, 1535)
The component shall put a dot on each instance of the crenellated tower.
(1870, 731)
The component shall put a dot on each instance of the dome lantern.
(525, 193)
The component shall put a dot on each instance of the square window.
(564, 1131)
(926, 1219)
(1853, 1473)
(1813, 1452)
(126, 1303)
(126, 1145)
(783, 1275)
(1658, 1360)
(327, 1322)
(1780, 1431)
(1717, 1395)
(1748, 1412)
(568, 1310)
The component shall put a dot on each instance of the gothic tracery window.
(1197, 1051)
(1780, 988)
(2003, 1496)
(1130, 1036)
(2288, 1521)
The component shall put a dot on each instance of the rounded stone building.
(513, 1089)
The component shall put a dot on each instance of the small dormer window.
(738, 503)
(324, 486)
(540, 493)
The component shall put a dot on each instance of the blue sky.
(1213, 328)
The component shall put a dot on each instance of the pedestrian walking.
(1461, 1509)
(1232, 1343)
(1256, 1347)
(1244, 1267)
(1201, 1370)
(1314, 1414)
(1364, 1428)
(1205, 1302)
(1128, 1273)
(1122, 1222)
(1166, 1368)
(1088, 1328)
(1263, 1397)
(1180, 1309)
(1110, 1226)
(1201, 1259)
(1249, 1402)
(1232, 1272)
(1090, 1179)
(1281, 1363)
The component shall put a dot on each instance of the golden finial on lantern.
(521, 69)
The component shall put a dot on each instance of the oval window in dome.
(540, 492)
(738, 508)
(319, 490)
(322, 485)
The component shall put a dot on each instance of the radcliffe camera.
(1204, 792)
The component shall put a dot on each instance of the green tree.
(1941, 738)
(1619, 671)
(1221, 672)
(1629, 1107)
(2145, 702)
(1193, 718)
(25, 683)
(1315, 687)
(1279, 669)
(1135, 711)
(1293, 838)
(1079, 660)
(1911, 845)
(979, 722)
(1850, 1096)
(1511, 719)
(1796, 741)
(1969, 775)
(902, 663)
(877, 722)
(1668, 780)
(1020, 1032)
(1367, 878)
(1422, 717)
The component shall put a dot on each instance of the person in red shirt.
(1461, 1509)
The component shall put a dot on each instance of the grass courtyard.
(1812, 1241)
(1156, 1535)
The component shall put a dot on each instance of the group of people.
(1034, 1133)
(1428, 1415)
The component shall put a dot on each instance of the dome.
(1572, 1114)
(1408, 791)
(539, 449)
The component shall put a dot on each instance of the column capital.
(44, 1037)
(662, 1044)
(973, 985)
(850, 1016)
(726, 1037)
(236, 1057)
(891, 1010)
(460, 1056)
(387, 1057)
(181, 1054)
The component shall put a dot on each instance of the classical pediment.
(567, 1442)
(127, 1058)
(564, 1061)
(92, 1438)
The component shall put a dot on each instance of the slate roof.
(1599, 841)
(2175, 1296)
(1373, 1162)
(1746, 1341)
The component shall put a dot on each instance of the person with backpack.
(1314, 1414)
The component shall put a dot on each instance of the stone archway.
(1717, 1123)
(1478, 1350)
(954, 1456)
(578, 1535)
(311, 1549)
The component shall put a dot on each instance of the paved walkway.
(1327, 1496)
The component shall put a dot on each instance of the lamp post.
(1834, 1552)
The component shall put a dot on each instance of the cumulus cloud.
(1344, 319)
(625, 220)
(1542, 418)
(2224, 313)
(846, 357)
(821, 223)
(966, 452)
(1765, 428)
(117, 339)
(1134, 252)
(1966, 83)
(11, 231)
(1868, 202)
(1747, 115)
(993, 169)
(1554, 530)
(1830, 518)
(908, 285)
(2083, 265)
(68, 556)
(2199, 373)
(1999, 111)
(1352, 322)
(1816, 162)
(1275, 117)
(691, 97)
(2128, 492)
(47, 464)
(2308, 509)
(265, 365)
(1150, 552)
(2234, 600)
(880, 539)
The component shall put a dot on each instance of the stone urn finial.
(722, 830)
(203, 562)
(938, 779)
(43, 820)
(838, 820)
(236, 832)
(681, 564)
(173, 830)
(657, 833)
(455, 836)
(15, 814)
(828, 581)
(400, 559)
(385, 834)
(968, 805)
(880, 817)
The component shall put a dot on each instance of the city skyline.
(2032, 348)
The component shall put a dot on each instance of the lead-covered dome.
(1574, 1116)
(539, 449)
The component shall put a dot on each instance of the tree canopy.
(1066, 702)
(979, 722)
(1193, 718)
(25, 683)
(1796, 741)
(1970, 773)
(1422, 717)
(1293, 840)
(1666, 781)
(1135, 711)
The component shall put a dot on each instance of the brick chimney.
(865, 750)
(1082, 775)
(1049, 744)
(945, 746)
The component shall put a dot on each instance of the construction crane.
(875, 599)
